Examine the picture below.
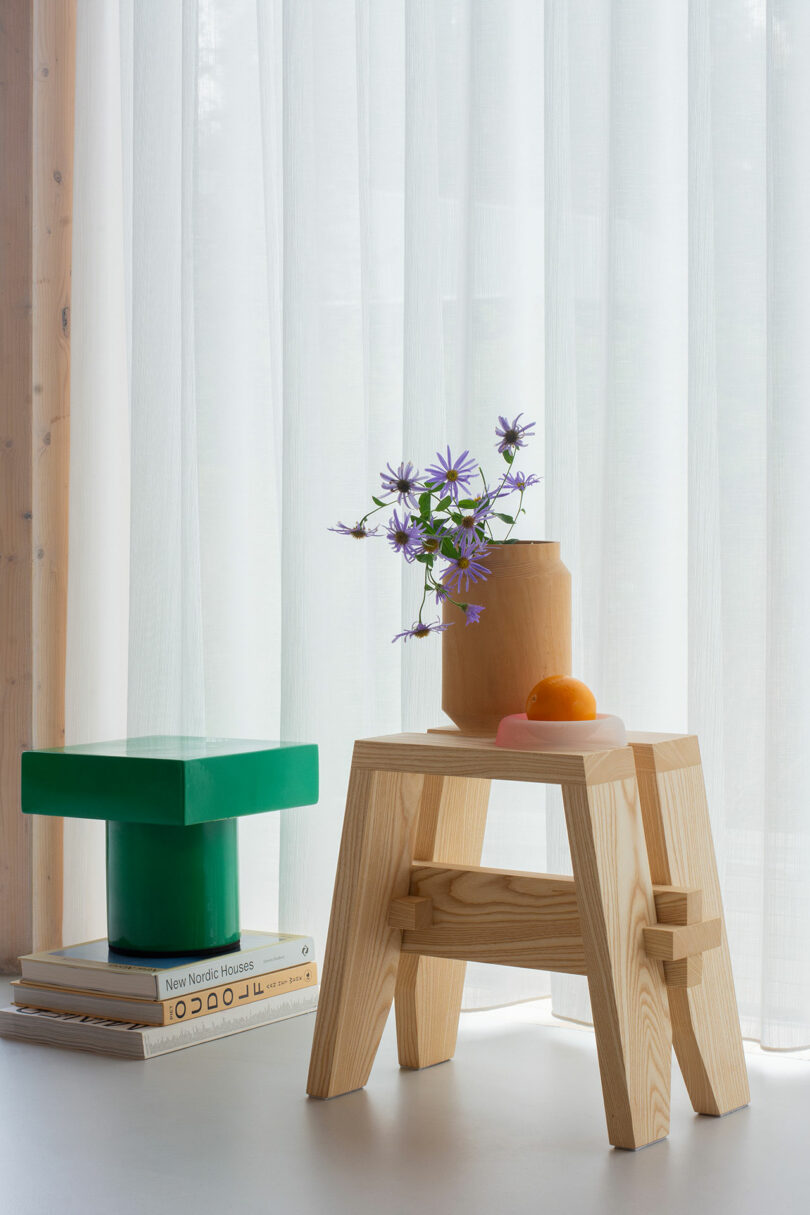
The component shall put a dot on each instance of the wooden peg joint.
(670, 943)
(410, 912)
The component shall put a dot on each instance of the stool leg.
(705, 1022)
(362, 952)
(452, 820)
(628, 998)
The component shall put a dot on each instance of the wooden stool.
(642, 916)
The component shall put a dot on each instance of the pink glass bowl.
(519, 734)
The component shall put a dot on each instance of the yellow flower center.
(452, 474)
(463, 563)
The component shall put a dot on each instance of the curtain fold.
(314, 237)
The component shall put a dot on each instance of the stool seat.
(641, 917)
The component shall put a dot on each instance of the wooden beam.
(502, 916)
(515, 918)
(54, 95)
(16, 677)
(37, 76)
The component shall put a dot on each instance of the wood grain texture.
(54, 93)
(500, 916)
(362, 951)
(456, 755)
(686, 972)
(513, 918)
(677, 905)
(670, 942)
(452, 822)
(16, 674)
(628, 997)
(410, 912)
(527, 598)
(705, 1022)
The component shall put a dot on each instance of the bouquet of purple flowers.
(445, 515)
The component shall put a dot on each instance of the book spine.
(135, 1041)
(159, 1040)
(235, 995)
(239, 966)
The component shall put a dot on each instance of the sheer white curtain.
(312, 237)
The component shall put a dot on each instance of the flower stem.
(517, 516)
(374, 511)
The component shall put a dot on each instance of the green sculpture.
(171, 806)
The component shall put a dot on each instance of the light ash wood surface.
(670, 943)
(499, 916)
(410, 899)
(452, 821)
(37, 74)
(705, 1021)
(362, 951)
(54, 93)
(458, 755)
(16, 590)
(630, 1014)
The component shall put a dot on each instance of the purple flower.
(442, 593)
(520, 481)
(421, 630)
(466, 535)
(359, 531)
(451, 475)
(465, 569)
(404, 536)
(512, 435)
(472, 613)
(403, 481)
(434, 532)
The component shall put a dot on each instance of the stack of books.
(91, 998)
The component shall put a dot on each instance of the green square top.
(169, 781)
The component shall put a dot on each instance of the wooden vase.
(524, 634)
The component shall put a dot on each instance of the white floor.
(513, 1123)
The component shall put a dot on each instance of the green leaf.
(508, 456)
(449, 550)
(467, 503)
(445, 502)
(503, 518)
(424, 505)
(377, 501)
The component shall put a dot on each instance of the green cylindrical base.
(172, 890)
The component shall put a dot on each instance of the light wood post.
(16, 591)
(705, 1022)
(628, 997)
(54, 99)
(452, 821)
(362, 950)
(37, 84)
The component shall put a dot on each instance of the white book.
(133, 1041)
(93, 966)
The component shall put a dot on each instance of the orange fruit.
(561, 698)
